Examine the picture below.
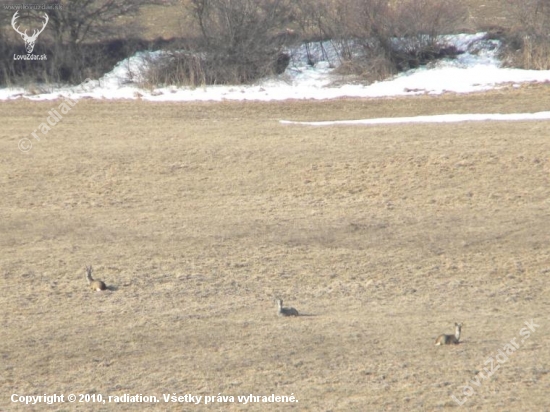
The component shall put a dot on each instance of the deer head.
(29, 40)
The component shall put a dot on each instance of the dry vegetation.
(170, 21)
(364, 31)
(199, 215)
(241, 41)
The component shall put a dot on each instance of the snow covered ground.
(477, 69)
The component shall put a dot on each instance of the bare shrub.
(428, 19)
(371, 69)
(177, 68)
(83, 33)
(240, 40)
(383, 38)
(321, 19)
(528, 44)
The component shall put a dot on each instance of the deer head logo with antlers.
(29, 40)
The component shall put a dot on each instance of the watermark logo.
(54, 117)
(29, 40)
(492, 364)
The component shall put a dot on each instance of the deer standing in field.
(450, 339)
(285, 311)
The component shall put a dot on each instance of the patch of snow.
(443, 118)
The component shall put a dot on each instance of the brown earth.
(199, 215)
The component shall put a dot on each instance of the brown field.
(171, 21)
(200, 215)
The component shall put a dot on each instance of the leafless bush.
(528, 44)
(316, 20)
(187, 68)
(240, 40)
(428, 19)
(370, 69)
(177, 68)
(383, 38)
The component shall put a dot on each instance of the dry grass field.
(171, 21)
(200, 215)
